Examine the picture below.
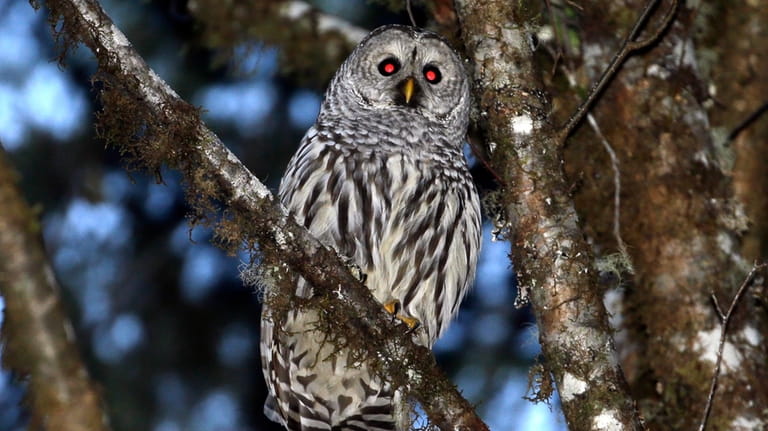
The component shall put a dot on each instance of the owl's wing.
(308, 390)
(334, 192)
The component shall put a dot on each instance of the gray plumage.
(381, 177)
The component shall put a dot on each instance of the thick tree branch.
(549, 250)
(170, 133)
(38, 337)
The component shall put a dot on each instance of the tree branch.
(629, 47)
(549, 249)
(38, 337)
(169, 132)
(726, 319)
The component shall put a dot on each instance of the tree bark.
(732, 65)
(681, 223)
(38, 338)
(553, 260)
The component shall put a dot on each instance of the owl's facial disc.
(398, 68)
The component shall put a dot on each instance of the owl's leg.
(393, 307)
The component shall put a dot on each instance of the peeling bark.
(38, 338)
(554, 262)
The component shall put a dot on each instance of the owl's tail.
(377, 416)
(312, 388)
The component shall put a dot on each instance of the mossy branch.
(152, 127)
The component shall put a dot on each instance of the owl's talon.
(412, 323)
(392, 307)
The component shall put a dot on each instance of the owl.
(380, 177)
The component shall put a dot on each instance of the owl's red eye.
(389, 66)
(432, 74)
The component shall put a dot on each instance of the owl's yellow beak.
(408, 87)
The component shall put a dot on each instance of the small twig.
(410, 12)
(716, 303)
(747, 122)
(628, 47)
(558, 52)
(621, 245)
(726, 318)
(559, 41)
(616, 189)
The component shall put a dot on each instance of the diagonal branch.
(629, 47)
(171, 133)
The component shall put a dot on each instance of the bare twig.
(747, 122)
(616, 188)
(479, 155)
(628, 47)
(410, 12)
(621, 245)
(726, 318)
(718, 309)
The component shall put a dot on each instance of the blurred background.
(165, 325)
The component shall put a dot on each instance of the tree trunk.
(38, 337)
(681, 222)
(553, 260)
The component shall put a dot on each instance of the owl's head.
(406, 68)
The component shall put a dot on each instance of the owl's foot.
(412, 322)
(393, 307)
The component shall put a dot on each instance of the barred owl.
(382, 178)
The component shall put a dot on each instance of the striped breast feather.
(332, 190)
(410, 222)
(431, 243)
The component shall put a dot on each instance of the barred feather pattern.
(387, 187)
